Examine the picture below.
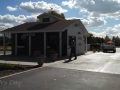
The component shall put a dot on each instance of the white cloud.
(95, 22)
(9, 8)
(7, 18)
(69, 3)
(100, 34)
(17, 19)
(106, 8)
(5, 25)
(91, 21)
(117, 26)
(40, 7)
(109, 31)
(112, 31)
(7, 21)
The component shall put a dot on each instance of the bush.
(19, 67)
(7, 66)
(96, 46)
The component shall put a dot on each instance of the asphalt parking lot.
(93, 71)
(96, 62)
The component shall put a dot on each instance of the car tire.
(114, 51)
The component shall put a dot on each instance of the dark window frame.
(46, 19)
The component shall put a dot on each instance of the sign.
(29, 34)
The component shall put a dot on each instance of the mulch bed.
(9, 72)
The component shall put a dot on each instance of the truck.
(109, 46)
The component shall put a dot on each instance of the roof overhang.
(33, 31)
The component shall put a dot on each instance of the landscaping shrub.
(19, 67)
(96, 46)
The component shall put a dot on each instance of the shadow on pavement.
(67, 61)
(108, 52)
(31, 67)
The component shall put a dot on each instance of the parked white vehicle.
(109, 47)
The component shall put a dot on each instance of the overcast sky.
(100, 17)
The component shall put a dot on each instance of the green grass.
(9, 48)
(7, 66)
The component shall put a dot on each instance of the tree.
(56, 14)
(107, 39)
(89, 39)
(103, 41)
(116, 40)
(113, 38)
(7, 37)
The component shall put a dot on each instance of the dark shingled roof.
(31, 26)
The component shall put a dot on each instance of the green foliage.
(57, 14)
(95, 46)
(99, 40)
(92, 40)
(116, 40)
(107, 39)
(7, 39)
(7, 66)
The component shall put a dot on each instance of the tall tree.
(116, 40)
(103, 40)
(7, 37)
(56, 14)
(113, 38)
(89, 39)
(107, 39)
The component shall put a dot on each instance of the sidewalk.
(26, 60)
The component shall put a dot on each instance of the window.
(46, 19)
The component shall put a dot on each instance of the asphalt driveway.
(95, 71)
(96, 62)
(48, 78)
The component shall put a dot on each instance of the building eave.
(33, 31)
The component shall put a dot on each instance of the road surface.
(96, 71)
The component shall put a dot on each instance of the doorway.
(64, 43)
(52, 42)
